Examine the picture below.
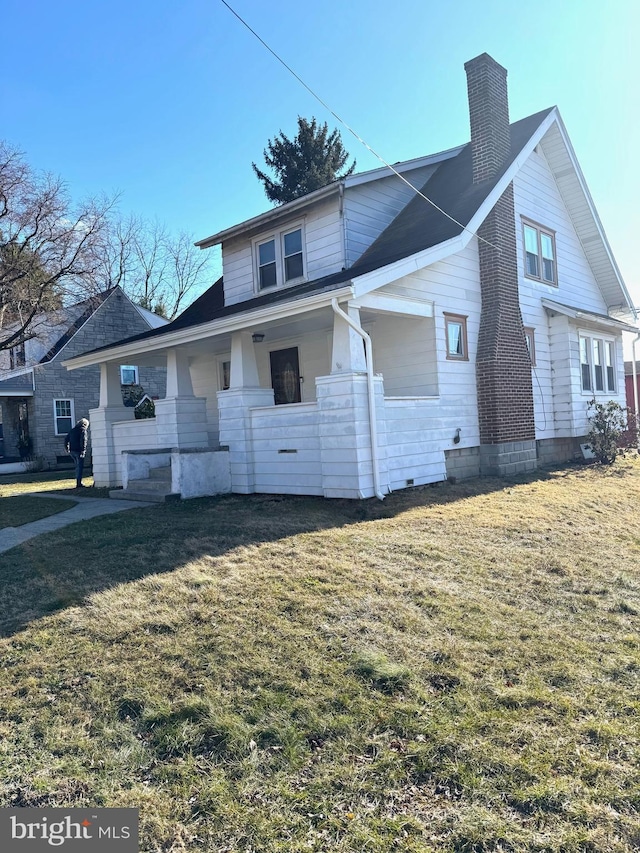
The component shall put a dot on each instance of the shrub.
(613, 430)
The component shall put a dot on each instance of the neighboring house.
(39, 400)
(482, 343)
(633, 400)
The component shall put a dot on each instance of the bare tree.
(156, 269)
(48, 247)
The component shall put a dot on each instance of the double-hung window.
(280, 259)
(597, 365)
(539, 253)
(63, 416)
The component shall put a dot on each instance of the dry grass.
(453, 670)
(41, 481)
(23, 509)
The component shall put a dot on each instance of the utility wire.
(352, 131)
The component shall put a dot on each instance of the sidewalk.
(85, 508)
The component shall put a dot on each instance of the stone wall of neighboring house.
(114, 320)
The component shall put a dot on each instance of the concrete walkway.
(85, 508)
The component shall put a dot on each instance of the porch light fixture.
(257, 337)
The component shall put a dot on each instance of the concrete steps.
(154, 489)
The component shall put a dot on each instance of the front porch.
(291, 408)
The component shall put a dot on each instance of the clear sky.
(169, 103)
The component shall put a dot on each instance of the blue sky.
(169, 103)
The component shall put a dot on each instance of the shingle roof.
(90, 306)
(417, 227)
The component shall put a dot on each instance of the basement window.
(456, 335)
(539, 253)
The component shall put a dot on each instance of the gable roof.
(89, 306)
(418, 228)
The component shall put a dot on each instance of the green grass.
(455, 669)
(23, 509)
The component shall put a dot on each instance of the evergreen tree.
(312, 159)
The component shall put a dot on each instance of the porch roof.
(18, 385)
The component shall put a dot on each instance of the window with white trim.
(539, 253)
(128, 374)
(456, 336)
(63, 416)
(597, 364)
(280, 259)
(529, 336)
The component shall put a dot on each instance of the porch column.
(347, 353)
(181, 418)
(234, 409)
(343, 408)
(110, 410)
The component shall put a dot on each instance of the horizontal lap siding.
(560, 405)
(205, 378)
(370, 207)
(415, 438)
(287, 428)
(324, 253)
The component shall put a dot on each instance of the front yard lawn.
(23, 509)
(456, 669)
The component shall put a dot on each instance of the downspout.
(373, 428)
(635, 376)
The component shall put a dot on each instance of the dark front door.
(285, 375)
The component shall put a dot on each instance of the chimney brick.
(503, 367)
(489, 115)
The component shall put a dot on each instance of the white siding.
(314, 355)
(324, 252)
(286, 449)
(370, 207)
(205, 378)
(560, 404)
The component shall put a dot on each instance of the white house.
(368, 337)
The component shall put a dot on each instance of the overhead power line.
(351, 130)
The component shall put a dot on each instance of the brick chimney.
(503, 367)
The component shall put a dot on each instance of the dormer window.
(280, 259)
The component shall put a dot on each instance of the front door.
(285, 375)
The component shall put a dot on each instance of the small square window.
(128, 374)
(456, 335)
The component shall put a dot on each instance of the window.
(63, 416)
(597, 364)
(456, 333)
(539, 253)
(225, 375)
(529, 336)
(285, 375)
(280, 259)
(128, 374)
(17, 356)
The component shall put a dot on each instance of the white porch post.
(110, 410)
(234, 408)
(345, 429)
(181, 418)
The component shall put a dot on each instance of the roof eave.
(281, 212)
(212, 328)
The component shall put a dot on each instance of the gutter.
(209, 329)
(373, 429)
